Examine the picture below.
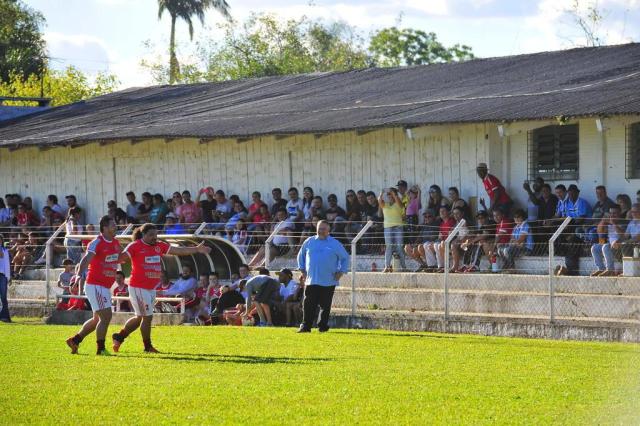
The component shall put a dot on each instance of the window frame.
(631, 152)
(556, 172)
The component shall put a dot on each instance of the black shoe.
(323, 329)
(5, 320)
(303, 329)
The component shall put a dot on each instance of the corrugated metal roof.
(576, 83)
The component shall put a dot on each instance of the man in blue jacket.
(322, 261)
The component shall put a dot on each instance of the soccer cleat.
(72, 345)
(152, 350)
(116, 342)
(303, 329)
(103, 352)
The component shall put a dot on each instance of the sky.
(115, 35)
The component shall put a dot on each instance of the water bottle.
(636, 252)
(494, 264)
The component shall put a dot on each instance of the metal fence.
(472, 269)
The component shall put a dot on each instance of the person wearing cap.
(322, 261)
(498, 197)
(172, 226)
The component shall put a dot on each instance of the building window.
(553, 152)
(632, 151)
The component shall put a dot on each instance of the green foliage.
(392, 47)
(22, 48)
(186, 10)
(232, 375)
(264, 46)
(63, 87)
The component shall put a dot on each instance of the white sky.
(108, 35)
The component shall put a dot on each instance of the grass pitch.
(212, 375)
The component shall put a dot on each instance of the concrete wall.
(444, 155)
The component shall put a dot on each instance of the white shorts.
(142, 301)
(99, 297)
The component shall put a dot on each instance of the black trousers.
(4, 286)
(314, 296)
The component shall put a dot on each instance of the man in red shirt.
(146, 254)
(101, 259)
(498, 196)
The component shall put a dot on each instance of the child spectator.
(64, 279)
(121, 290)
(521, 242)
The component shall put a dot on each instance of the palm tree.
(186, 9)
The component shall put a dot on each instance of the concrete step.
(500, 282)
(31, 290)
(39, 273)
(562, 328)
(493, 303)
(528, 265)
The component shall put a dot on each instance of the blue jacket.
(321, 259)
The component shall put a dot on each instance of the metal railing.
(354, 260)
(49, 259)
(552, 282)
(447, 250)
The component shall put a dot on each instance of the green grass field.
(211, 375)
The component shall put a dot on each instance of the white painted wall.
(444, 155)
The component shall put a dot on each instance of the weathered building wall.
(444, 155)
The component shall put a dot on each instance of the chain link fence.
(555, 270)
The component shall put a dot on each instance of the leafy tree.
(265, 46)
(392, 47)
(22, 48)
(63, 87)
(186, 10)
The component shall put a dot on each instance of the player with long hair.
(145, 254)
(101, 260)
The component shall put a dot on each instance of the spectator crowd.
(405, 224)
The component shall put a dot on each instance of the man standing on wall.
(322, 261)
(498, 197)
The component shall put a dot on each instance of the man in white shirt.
(184, 286)
(294, 208)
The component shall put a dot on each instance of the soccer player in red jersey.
(146, 254)
(101, 259)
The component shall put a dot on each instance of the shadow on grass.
(232, 359)
(418, 334)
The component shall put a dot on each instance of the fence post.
(354, 264)
(267, 245)
(447, 247)
(552, 279)
(48, 255)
